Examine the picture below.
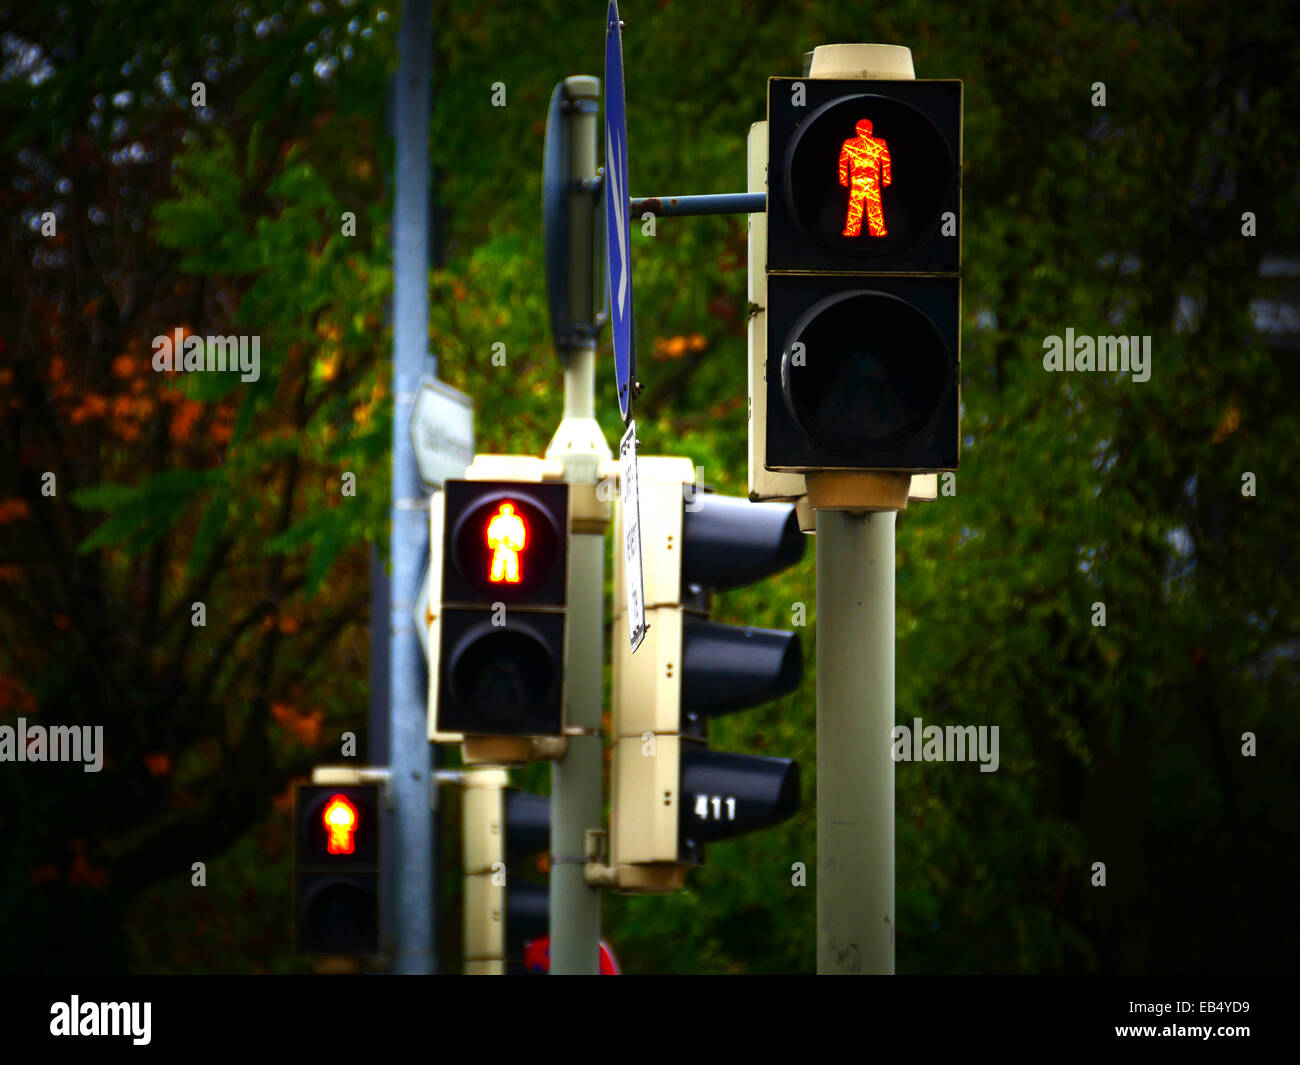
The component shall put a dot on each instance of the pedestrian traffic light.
(502, 826)
(497, 608)
(863, 292)
(336, 858)
(671, 794)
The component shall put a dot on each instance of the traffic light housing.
(504, 911)
(497, 624)
(672, 795)
(528, 832)
(337, 861)
(862, 261)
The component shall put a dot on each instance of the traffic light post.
(580, 447)
(484, 871)
(854, 393)
(860, 335)
(502, 910)
(862, 374)
(415, 827)
(551, 670)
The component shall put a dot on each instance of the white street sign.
(442, 432)
(634, 581)
(421, 613)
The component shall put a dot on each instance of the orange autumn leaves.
(672, 348)
(141, 397)
(14, 698)
(158, 763)
(305, 726)
(1228, 424)
(79, 870)
(13, 510)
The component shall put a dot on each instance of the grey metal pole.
(710, 203)
(409, 786)
(855, 667)
(376, 753)
(855, 719)
(580, 445)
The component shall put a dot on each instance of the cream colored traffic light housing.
(646, 717)
(483, 851)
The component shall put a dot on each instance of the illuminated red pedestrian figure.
(864, 171)
(506, 536)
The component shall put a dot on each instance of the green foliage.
(141, 514)
(189, 488)
(205, 219)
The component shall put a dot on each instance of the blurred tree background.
(1119, 744)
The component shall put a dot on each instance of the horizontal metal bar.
(714, 203)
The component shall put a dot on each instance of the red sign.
(537, 956)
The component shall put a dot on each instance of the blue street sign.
(617, 221)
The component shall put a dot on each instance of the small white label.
(633, 580)
(420, 611)
(718, 803)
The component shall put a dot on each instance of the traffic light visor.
(868, 176)
(725, 795)
(337, 827)
(502, 680)
(863, 369)
(339, 915)
(505, 542)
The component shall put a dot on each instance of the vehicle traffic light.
(528, 832)
(671, 794)
(863, 292)
(336, 858)
(497, 608)
(502, 826)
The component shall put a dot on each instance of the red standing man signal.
(507, 535)
(340, 820)
(864, 171)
